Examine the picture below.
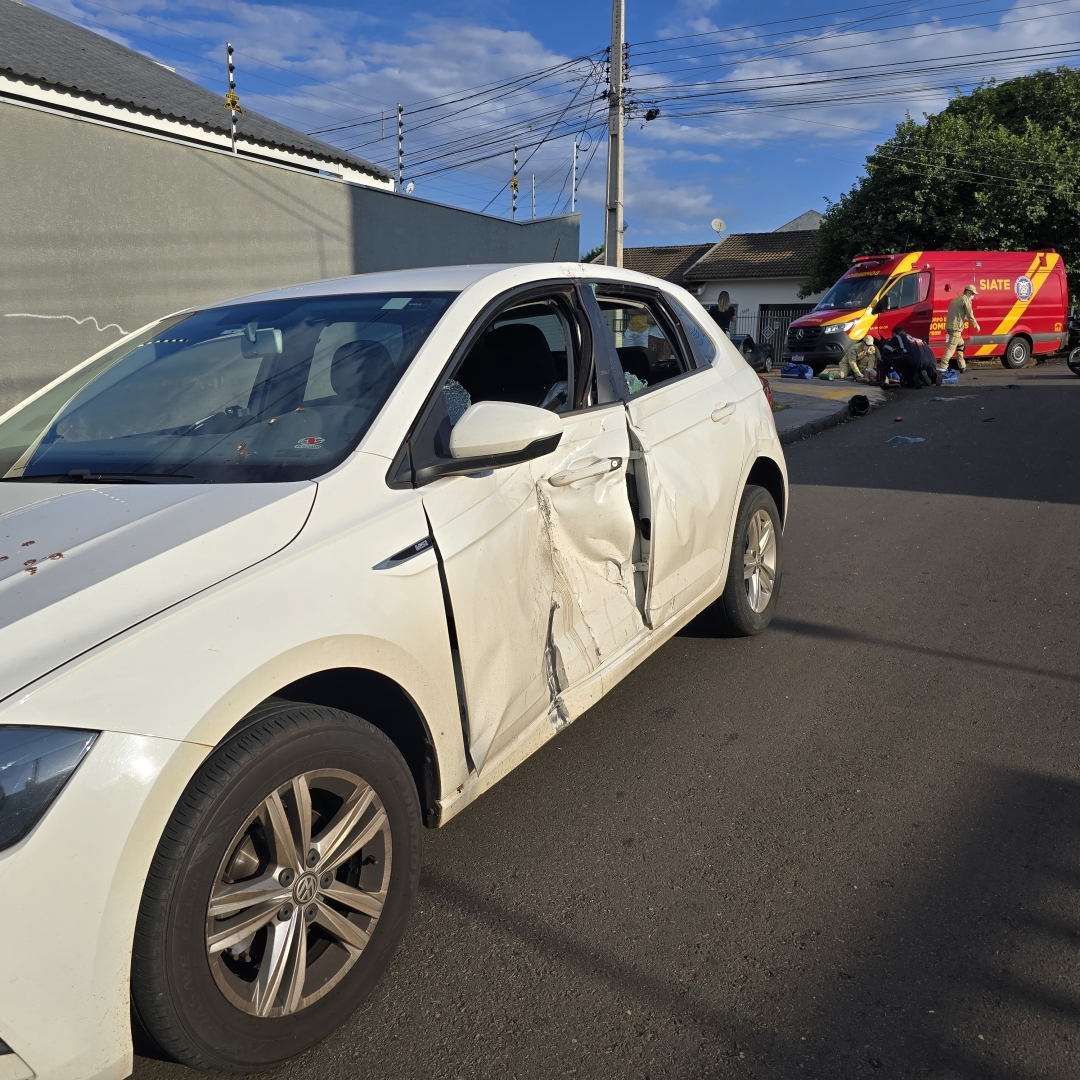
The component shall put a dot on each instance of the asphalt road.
(848, 847)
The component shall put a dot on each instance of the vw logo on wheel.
(307, 885)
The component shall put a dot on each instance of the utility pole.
(573, 184)
(400, 148)
(232, 102)
(513, 187)
(613, 224)
(533, 196)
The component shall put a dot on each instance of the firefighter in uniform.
(959, 313)
(860, 361)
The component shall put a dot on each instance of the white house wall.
(750, 293)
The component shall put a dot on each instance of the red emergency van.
(1021, 305)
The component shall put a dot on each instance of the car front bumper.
(69, 896)
(819, 354)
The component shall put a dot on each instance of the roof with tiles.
(757, 255)
(670, 262)
(47, 49)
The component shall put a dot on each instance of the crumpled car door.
(538, 567)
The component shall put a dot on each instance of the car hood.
(831, 315)
(79, 563)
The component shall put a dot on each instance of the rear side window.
(702, 346)
(644, 339)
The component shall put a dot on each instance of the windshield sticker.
(312, 442)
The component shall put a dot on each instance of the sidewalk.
(812, 405)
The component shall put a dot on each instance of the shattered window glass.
(457, 400)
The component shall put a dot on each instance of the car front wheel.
(748, 601)
(278, 892)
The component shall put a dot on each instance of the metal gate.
(768, 325)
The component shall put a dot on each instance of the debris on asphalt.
(859, 404)
(987, 419)
(902, 440)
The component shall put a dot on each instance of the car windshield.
(852, 292)
(270, 390)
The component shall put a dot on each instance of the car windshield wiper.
(85, 476)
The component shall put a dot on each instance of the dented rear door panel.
(691, 434)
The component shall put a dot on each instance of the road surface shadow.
(971, 972)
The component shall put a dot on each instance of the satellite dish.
(409, 187)
(718, 225)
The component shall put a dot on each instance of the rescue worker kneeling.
(860, 362)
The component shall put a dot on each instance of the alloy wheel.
(299, 893)
(759, 561)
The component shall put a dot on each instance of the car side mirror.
(878, 306)
(493, 434)
(505, 429)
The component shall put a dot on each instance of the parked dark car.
(759, 357)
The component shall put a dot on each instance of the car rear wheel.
(279, 890)
(748, 602)
(1073, 361)
(1017, 353)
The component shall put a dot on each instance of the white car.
(284, 579)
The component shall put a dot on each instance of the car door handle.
(590, 472)
(922, 311)
(723, 412)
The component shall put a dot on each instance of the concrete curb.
(817, 425)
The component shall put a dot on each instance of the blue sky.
(795, 93)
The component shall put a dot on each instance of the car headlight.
(35, 763)
(840, 328)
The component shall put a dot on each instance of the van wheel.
(279, 891)
(1017, 353)
(748, 601)
(1074, 361)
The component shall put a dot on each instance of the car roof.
(446, 279)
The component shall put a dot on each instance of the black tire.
(1073, 360)
(1017, 353)
(733, 609)
(174, 992)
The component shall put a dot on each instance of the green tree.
(996, 170)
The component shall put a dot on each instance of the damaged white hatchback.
(285, 579)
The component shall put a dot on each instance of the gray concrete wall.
(106, 228)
